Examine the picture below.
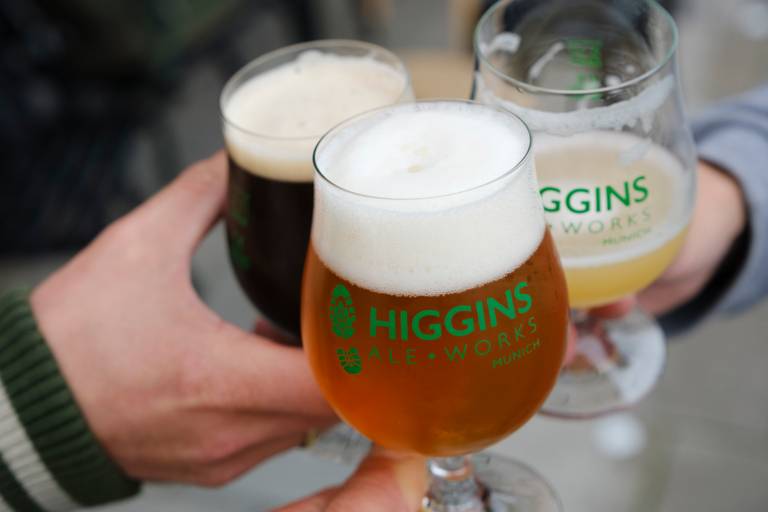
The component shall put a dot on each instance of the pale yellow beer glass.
(597, 82)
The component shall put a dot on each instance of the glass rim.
(654, 4)
(344, 124)
(234, 81)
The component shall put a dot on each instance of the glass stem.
(579, 316)
(593, 345)
(453, 487)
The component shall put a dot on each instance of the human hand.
(384, 481)
(171, 390)
(718, 219)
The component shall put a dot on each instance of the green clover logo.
(239, 205)
(350, 360)
(237, 251)
(586, 52)
(342, 312)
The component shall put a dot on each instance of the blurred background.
(104, 102)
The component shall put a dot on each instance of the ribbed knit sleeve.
(49, 458)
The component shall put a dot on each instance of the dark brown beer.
(275, 110)
(268, 225)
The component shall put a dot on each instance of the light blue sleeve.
(734, 136)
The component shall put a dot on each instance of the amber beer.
(275, 109)
(434, 306)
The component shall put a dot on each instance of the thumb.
(182, 213)
(384, 482)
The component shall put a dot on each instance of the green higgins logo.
(598, 199)
(350, 360)
(342, 314)
(587, 54)
(460, 320)
(500, 328)
(613, 214)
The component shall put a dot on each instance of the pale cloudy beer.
(434, 306)
(274, 111)
(597, 83)
(617, 229)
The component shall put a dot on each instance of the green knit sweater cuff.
(50, 460)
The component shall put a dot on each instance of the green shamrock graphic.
(586, 52)
(342, 312)
(237, 252)
(239, 205)
(350, 360)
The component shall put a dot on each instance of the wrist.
(723, 193)
(49, 451)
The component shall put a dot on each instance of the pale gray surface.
(282, 479)
(706, 424)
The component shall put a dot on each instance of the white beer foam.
(287, 109)
(628, 113)
(456, 229)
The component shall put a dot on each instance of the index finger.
(615, 309)
(180, 215)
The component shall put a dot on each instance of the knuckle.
(122, 241)
(200, 177)
(215, 478)
(124, 229)
(208, 479)
(218, 448)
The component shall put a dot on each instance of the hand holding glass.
(596, 80)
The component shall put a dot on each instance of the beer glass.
(274, 111)
(597, 82)
(434, 307)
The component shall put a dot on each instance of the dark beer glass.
(274, 111)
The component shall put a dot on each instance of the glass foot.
(505, 485)
(340, 443)
(617, 363)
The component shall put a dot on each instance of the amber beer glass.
(434, 306)
(274, 111)
(597, 82)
